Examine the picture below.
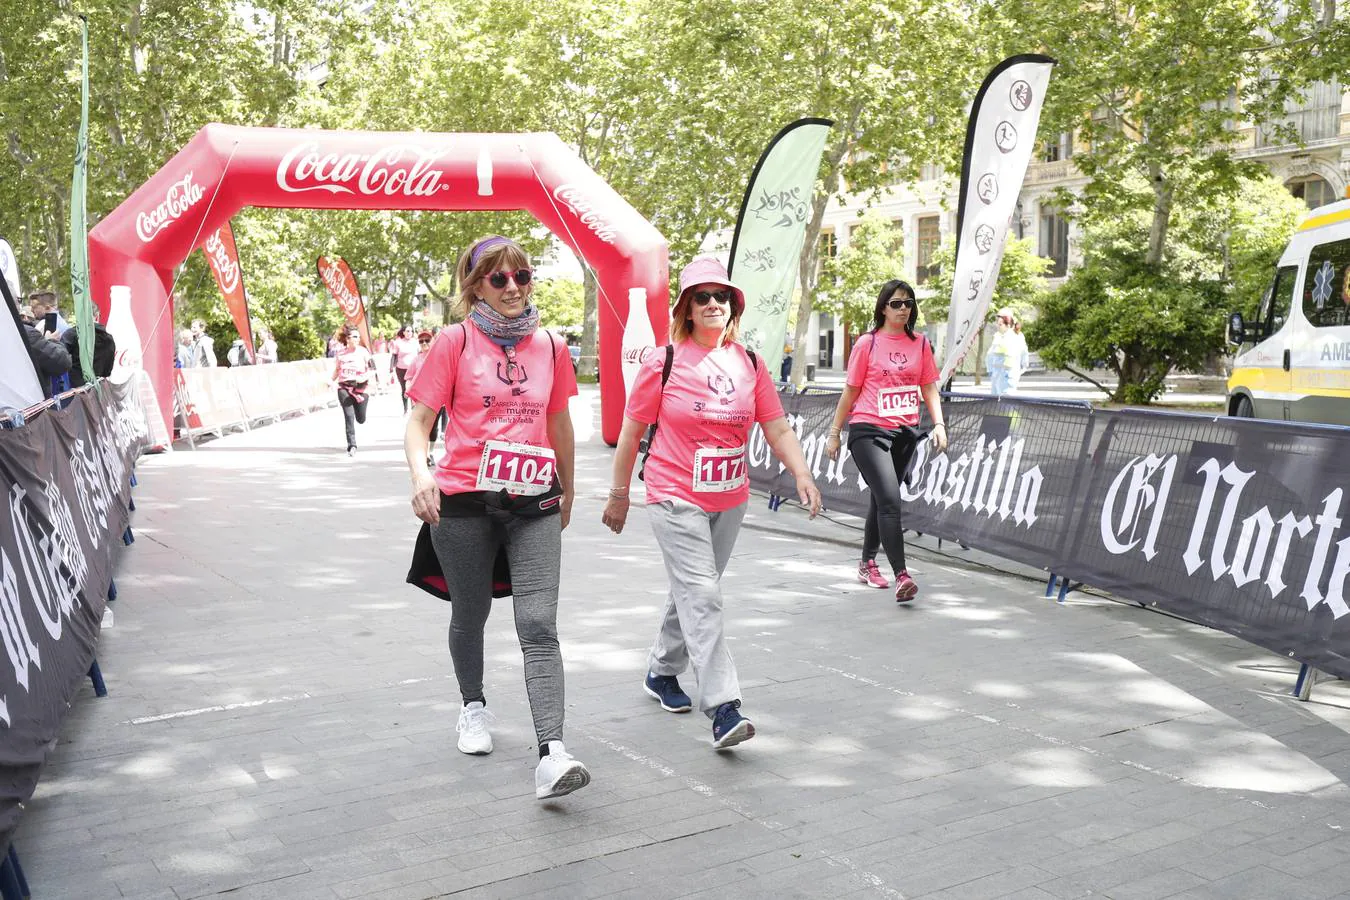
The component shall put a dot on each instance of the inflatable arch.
(224, 168)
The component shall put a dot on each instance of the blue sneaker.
(666, 688)
(730, 727)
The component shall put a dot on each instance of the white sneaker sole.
(743, 732)
(475, 751)
(881, 587)
(574, 778)
(657, 697)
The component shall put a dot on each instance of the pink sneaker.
(870, 575)
(905, 588)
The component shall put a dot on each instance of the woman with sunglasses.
(890, 371)
(423, 349)
(503, 483)
(697, 484)
(351, 373)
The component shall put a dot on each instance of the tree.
(560, 302)
(850, 281)
(1154, 90)
(1020, 285)
(1142, 320)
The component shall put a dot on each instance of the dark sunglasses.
(703, 298)
(424, 340)
(900, 304)
(520, 276)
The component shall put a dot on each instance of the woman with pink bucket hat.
(706, 392)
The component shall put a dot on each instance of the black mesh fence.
(1235, 523)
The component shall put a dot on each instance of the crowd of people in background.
(54, 344)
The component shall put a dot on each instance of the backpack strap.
(645, 445)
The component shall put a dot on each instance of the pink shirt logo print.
(723, 388)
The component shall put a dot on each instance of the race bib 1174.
(719, 469)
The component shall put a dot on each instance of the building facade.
(1315, 169)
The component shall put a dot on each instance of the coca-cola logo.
(181, 196)
(222, 263)
(571, 196)
(397, 170)
(336, 279)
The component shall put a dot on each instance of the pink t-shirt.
(890, 369)
(353, 362)
(706, 411)
(491, 404)
(416, 366)
(405, 351)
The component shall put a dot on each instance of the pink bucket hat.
(709, 270)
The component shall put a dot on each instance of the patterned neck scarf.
(503, 331)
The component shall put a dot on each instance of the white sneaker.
(559, 773)
(474, 737)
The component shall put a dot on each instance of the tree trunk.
(588, 364)
(1162, 214)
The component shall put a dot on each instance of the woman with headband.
(504, 484)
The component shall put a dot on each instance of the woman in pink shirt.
(697, 484)
(504, 484)
(404, 349)
(890, 371)
(351, 373)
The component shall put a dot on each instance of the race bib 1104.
(719, 469)
(898, 402)
(518, 468)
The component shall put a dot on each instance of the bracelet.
(833, 431)
(940, 425)
(619, 493)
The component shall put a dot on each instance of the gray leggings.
(466, 548)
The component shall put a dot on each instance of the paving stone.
(983, 742)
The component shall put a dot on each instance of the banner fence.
(66, 474)
(216, 399)
(1233, 523)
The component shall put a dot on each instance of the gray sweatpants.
(466, 548)
(696, 546)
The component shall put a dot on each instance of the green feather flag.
(79, 224)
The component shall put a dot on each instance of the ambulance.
(1293, 361)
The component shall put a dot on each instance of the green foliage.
(559, 301)
(1142, 320)
(849, 284)
(1021, 280)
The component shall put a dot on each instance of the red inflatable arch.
(225, 168)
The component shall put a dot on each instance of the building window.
(1055, 242)
(1313, 114)
(1019, 228)
(929, 237)
(1058, 148)
(930, 172)
(1312, 190)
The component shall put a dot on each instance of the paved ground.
(281, 723)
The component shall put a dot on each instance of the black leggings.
(884, 526)
(352, 413)
(403, 386)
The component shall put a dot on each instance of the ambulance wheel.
(1243, 408)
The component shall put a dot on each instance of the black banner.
(66, 479)
(1238, 524)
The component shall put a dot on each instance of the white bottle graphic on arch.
(122, 328)
(638, 337)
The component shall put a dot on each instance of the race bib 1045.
(518, 468)
(898, 402)
(719, 469)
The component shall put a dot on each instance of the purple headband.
(488, 243)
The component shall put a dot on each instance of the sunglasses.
(703, 298)
(520, 276)
(900, 304)
(424, 340)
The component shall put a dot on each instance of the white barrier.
(211, 400)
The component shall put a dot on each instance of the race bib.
(518, 468)
(719, 469)
(898, 402)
